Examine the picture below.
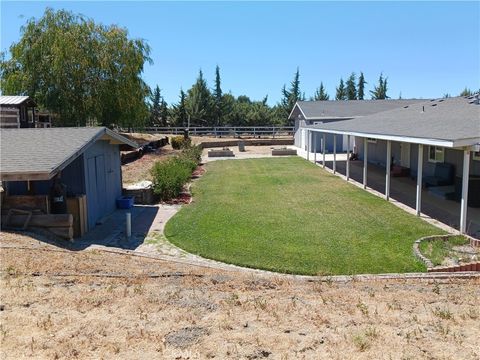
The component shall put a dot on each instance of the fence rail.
(226, 131)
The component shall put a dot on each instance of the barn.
(85, 160)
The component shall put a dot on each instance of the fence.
(226, 131)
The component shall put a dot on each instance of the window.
(372, 140)
(476, 155)
(436, 154)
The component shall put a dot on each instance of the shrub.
(193, 152)
(179, 142)
(169, 177)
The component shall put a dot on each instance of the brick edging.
(472, 266)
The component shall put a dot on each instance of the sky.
(426, 49)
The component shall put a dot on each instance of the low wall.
(247, 142)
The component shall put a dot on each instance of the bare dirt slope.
(96, 304)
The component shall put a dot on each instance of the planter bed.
(283, 152)
(221, 153)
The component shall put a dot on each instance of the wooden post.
(419, 180)
(464, 201)
(365, 162)
(348, 158)
(387, 175)
(324, 149)
(334, 153)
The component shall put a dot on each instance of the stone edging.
(430, 267)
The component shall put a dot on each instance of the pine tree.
(217, 98)
(466, 92)
(179, 111)
(199, 103)
(351, 89)
(155, 107)
(380, 91)
(292, 95)
(361, 87)
(321, 94)
(341, 93)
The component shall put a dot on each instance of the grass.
(288, 215)
(439, 249)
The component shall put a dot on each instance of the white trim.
(464, 200)
(387, 168)
(419, 180)
(410, 139)
(299, 108)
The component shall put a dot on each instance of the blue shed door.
(96, 197)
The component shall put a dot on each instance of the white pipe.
(314, 148)
(365, 162)
(419, 179)
(334, 153)
(464, 201)
(128, 224)
(348, 158)
(308, 145)
(324, 150)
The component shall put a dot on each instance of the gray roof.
(451, 122)
(333, 109)
(38, 154)
(14, 100)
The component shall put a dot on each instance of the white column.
(324, 150)
(365, 159)
(308, 144)
(348, 158)
(334, 153)
(419, 179)
(387, 175)
(464, 201)
(314, 148)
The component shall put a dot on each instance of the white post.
(324, 150)
(365, 159)
(389, 165)
(308, 145)
(314, 148)
(334, 153)
(128, 224)
(348, 158)
(464, 201)
(419, 179)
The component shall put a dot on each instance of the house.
(88, 160)
(17, 112)
(435, 142)
(306, 113)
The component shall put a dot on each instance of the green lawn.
(288, 215)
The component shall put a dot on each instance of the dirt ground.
(98, 304)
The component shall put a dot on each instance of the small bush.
(169, 177)
(193, 152)
(179, 142)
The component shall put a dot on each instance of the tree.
(351, 89)
(361, 86)
(380, 91)
(199, 103)
(466, 92)
(217, 98)
(341, 92)
(179, 111)
(292, 95)
(82, 71)
(155, 98)
(320, 94)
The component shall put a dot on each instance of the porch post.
(464, 201)
(389, 164)
(334, 153)
(365, 159)
(324, 150)
(419, 179)
(348, 158)
(314, 148)
(308, 145)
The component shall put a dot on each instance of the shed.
(17, 112)
(88, 160)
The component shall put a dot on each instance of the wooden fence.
(226, 131)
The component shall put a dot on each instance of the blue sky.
(425, 48)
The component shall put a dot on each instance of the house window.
(476, 155)
(436, 154)
(372, 140)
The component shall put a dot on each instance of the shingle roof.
(38, 154)
(14, 100)
(455, 121)
(349, 108)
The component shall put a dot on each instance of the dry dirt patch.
(124, 306)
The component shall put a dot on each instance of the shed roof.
(333, 109)
(39, 154)
(452, 122)
(15, 100)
